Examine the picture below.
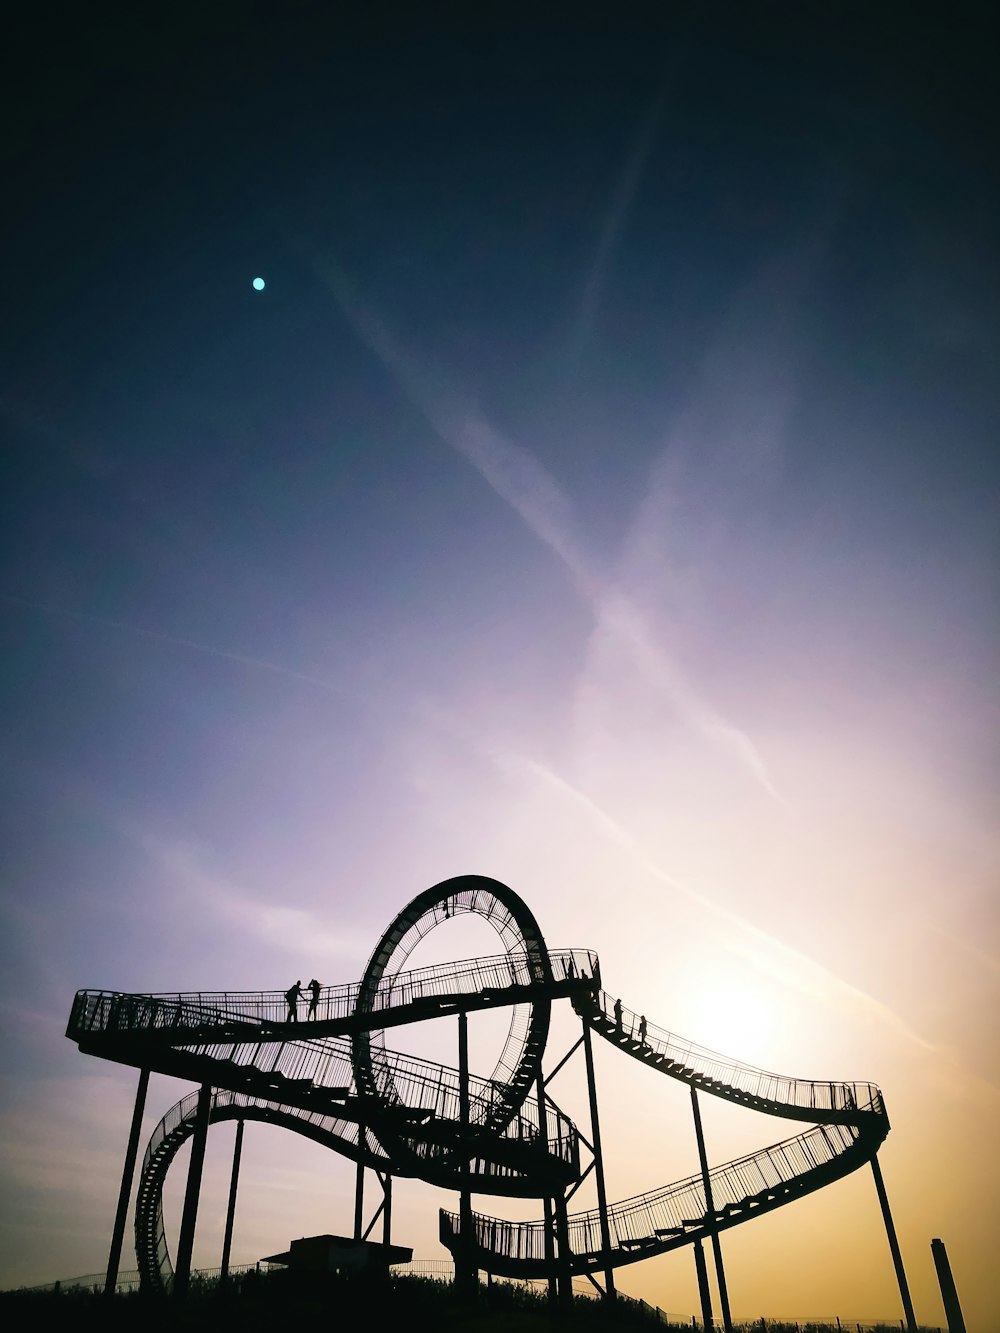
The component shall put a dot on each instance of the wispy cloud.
(158, 636)
(626, 188)
(520, 480)
(786, 964)
(297, 930)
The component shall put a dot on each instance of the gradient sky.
(602, 495)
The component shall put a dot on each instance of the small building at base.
(341, 1254)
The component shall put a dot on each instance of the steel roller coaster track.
(334, 1080)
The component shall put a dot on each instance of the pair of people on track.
(618, 1021)
(294, 994)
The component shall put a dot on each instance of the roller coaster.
(332, 1078)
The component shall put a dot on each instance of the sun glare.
(735, 1021)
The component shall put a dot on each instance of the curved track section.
(517, 929)
(852, 1125)
(177, 1126)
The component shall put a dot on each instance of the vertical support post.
(359, 1184)
(466, 1276)
(550, 1252)
(185, 1243)
(128, 1173)
(949, 1295)
(704, 1291)
(720, 1272)
(602, 1197)
(227, 1244)
(387, 1208)
(565, 1279)
(897, 1258)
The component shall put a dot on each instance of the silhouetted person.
(570, 969)
(313, 988)
(642, 1027)
(618, 1015)
(292, 1000)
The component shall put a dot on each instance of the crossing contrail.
(523, 483)
(242, 659)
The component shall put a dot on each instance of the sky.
(601, 495)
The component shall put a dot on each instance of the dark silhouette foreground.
(261, 1302)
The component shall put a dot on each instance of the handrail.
(470, 976)
(732, 1076)
(852, 1125)
(322, 1064)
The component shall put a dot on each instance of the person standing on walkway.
(292, 1000)
(642, 1028)
(618, 1017)
(314, 989)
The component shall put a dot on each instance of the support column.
(602, 1197)
(128, 1173)
(548, 1242)
(185, 1243)
(227, 1244)
(897, 1258)
(387, 1209)
(359, 1184)
(949, 1295)
(466, 1275)
(550, 1250)
(565, 1280)
(720, 1272)
(704, 1291)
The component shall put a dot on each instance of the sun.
(735, 1021)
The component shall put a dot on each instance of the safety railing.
(819, 1095)
(96, 1011)
(652, 1218)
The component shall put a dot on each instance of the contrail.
(257, 663)
(533, 493)
(786, 963)
(618, 211)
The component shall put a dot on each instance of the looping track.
(330, 1077)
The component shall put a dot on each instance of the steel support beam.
(128, 1173)
(704, 1291)
(359, 1183)
(602, 1197)
(897, 1258)
(466, 1275)
(227, 1244)
(949, 1295)
(185, 1244)
(720, 1272)
(565, 1270)
(387, 1209)
(549, 1239)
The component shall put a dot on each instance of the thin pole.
(185, 1243)
(704, 1291)
(602, 1197)
(386, 1208)
(128, 1172)
(897, 1258)
(565, 1268)
(550, 1254)
(720, 1272)
(949, 1295)
(466, 1281)
(227, 1244)
(359, 1184)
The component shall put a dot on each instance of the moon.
(259, 284)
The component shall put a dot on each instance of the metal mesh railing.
(817, 1095)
